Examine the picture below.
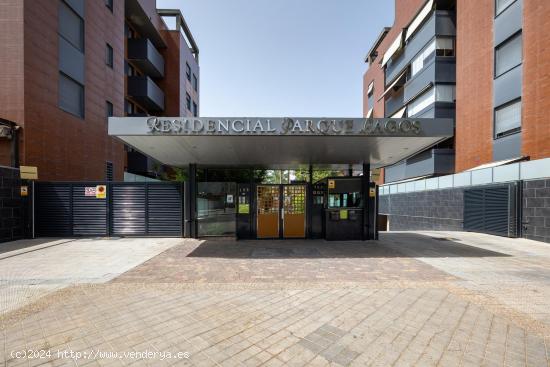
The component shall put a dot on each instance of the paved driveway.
(425, 299)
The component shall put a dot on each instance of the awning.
(289, 143)
(370, 88)
(497, 163)
(369, 114)
(393, 84)
(417, 21)
(394, 47)
(399, 114)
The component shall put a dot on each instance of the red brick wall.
(474, 84)
(536, 81)
(11, 70)
(170, 84)
(65, 147)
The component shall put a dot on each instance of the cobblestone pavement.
(424, 299)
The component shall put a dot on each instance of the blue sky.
(270, 58)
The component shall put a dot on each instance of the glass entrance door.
(268, 213)
(294, 211)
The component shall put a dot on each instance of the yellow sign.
(343, 214)
(244, 209)
(24, 191)
(101, 191)
(331, 184)
(28, 172)
(372, 192)
(375, 175)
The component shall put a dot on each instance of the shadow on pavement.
(390, 245)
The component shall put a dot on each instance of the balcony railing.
(145, 92)
(143, 54)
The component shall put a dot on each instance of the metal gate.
(493, 209)
(127, 209)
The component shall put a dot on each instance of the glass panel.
(508, 55)
(482, 176)
(295, 200)
(445, 93)
(420, 60)
(462, 179)
(507, 118)
(445, 181)
(509, 172)
(535, 169)
(216, 208)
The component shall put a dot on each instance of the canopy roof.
(279, 142)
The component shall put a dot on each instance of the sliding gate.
(108, 209)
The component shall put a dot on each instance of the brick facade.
(474, 83)
(536, 85)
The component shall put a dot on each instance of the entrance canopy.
(279, 142)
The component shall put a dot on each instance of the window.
(71, 96)
(109, 5)
(188, 101)
(439, 93)
(195, 110)
(109, 56)
(71, 26)
(108, 109)
(109, 171)
(129, 69)
(188, 71)
(129, 108)
(195, 83)
(501, 5)
(444, 46)
(508, 55)
(508, 119)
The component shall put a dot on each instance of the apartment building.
(67, 65)
(479, 62)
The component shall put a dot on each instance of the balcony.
(143, 54)
(142, 15)
(144, 91)
(432, 162)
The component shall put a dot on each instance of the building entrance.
(281, 211)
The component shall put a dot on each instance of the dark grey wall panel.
(14, 209)
(507, 87)
(71, 61)
(507, 147)
(508, 22)
(164, 209)
(128, 210)
(53, 210)
(536, 210)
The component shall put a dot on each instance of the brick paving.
(433, 299)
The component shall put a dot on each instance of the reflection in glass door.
(294, 211)
(216, 208)
(268, 211)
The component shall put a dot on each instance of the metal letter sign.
(283, 126)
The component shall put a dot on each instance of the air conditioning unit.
(5, 132)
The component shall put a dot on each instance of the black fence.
(123, 209)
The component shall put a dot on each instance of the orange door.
(294, 211)
(268, 211)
